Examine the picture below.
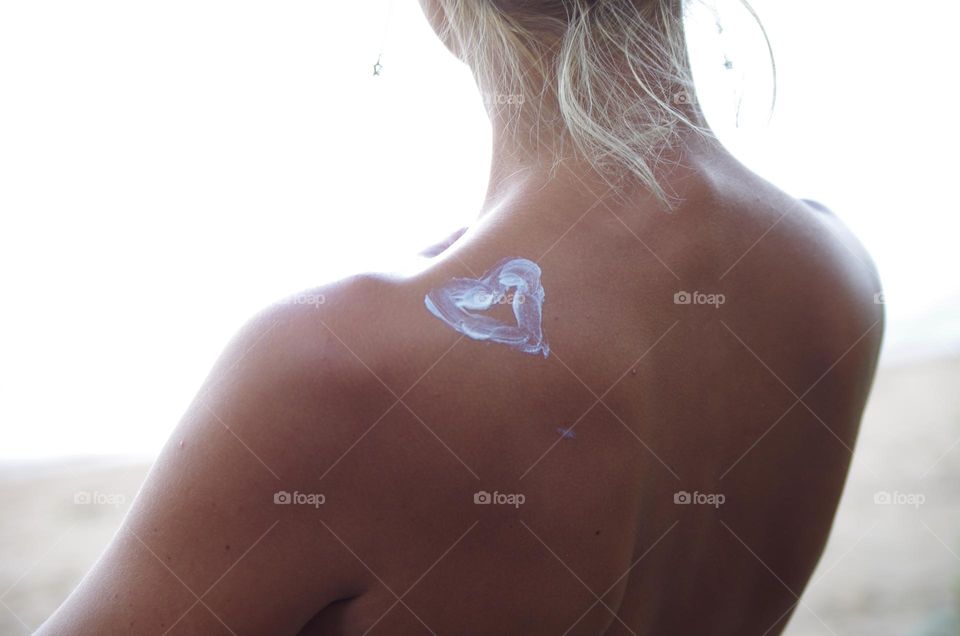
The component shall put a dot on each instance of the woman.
(623, 401)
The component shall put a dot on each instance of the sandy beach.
(892, 565)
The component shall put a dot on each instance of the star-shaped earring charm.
(377, 67)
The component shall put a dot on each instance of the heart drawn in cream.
(457, 302)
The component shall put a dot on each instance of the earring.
(727, 62)
(378, 66)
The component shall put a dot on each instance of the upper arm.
(204, 547)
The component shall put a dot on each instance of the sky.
(167, 169)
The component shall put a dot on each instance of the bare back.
(666, 461)
(670, 467)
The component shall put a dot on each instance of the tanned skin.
(398, 421)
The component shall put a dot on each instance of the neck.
(529, 164)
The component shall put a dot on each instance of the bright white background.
(166, 169)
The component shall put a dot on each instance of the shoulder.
(801, 290)
(286, 398)
(321, 331)
(302, 340)
(834, 271)
(840, 295)
(824, 273)
(805, 297)
(792, 255)
(323, 353)
(321, 372)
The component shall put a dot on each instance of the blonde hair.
(612, 76)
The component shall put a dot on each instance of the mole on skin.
(456, 302)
